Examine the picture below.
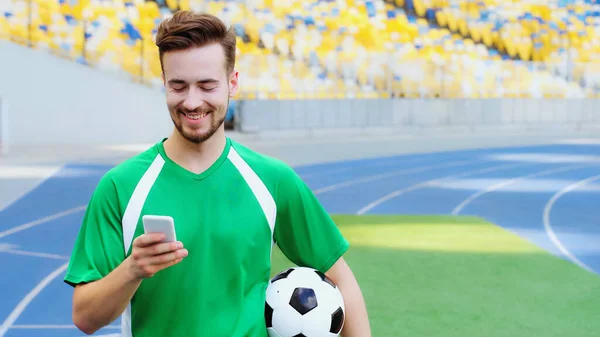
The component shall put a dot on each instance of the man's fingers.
(151, 265)
(156, 249)
(161, 248)
(158, 267)
(171, 263)
(167, 258)
(148, 239)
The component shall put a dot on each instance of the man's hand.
(99, 303)
(149, 255)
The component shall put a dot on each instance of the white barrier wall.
(4, 141)
(52, 100)
(419, 116)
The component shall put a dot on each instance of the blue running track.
(547, 194)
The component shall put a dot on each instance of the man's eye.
(178, 88)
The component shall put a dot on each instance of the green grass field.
(463, 277)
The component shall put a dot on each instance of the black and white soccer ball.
(303, 302)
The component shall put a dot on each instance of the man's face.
(198, 89)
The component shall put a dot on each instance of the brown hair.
(186, 29)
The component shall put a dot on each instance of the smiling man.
(230, 205)
(198, 102)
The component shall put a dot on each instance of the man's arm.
(308, 237)
(357, 319)
(97, 304)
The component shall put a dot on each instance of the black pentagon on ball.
(268, 315)
(282, 275)
(303, 300)
(300, 335)
(337, 320)
(324, 278)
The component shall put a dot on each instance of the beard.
(192, 135)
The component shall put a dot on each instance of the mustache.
(198, 111)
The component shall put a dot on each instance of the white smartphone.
(160, 224)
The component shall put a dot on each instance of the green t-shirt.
(227, 217)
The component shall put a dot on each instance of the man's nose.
(193, 100)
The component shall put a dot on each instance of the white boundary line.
(36, 254)
(41, 221)
(385, 175)
(399, 192)
(507, 182)
(548, 226)
(55, 170)
(18, 310)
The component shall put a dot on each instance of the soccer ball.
(303, 302)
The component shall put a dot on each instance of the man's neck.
(196, 158)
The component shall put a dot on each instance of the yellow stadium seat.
(172, 4)
(340, 52)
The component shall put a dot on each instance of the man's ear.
(233, 83)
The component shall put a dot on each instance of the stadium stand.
(297, 49)
(560, 34)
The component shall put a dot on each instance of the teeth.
(196, 116)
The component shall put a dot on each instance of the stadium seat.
(322, 49)
(529, 30)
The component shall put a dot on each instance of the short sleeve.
(98, 248)
(304, 231)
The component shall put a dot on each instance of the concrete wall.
(51, 100)
(419, 116)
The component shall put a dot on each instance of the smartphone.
(160, 224)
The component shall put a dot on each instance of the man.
(229, 204)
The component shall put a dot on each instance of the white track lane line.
(35, 254)
(548, 226)
(41, 221)
(385, 175)
(18, 310)
(399, 192)
(507, 182)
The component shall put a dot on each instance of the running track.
(547, 194)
